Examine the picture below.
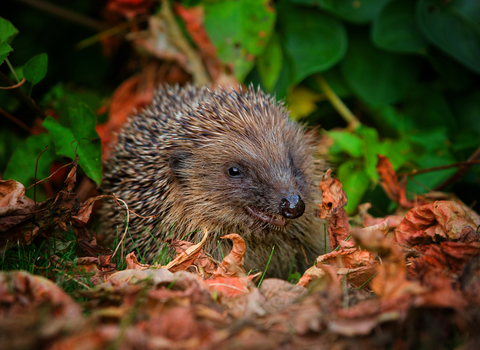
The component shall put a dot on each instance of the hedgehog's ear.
(178, 162)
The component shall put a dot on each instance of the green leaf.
(88, 145)
(21, 166)
(62, 137)
(454, 27)
(355, 183)
(348, 142)
(313, 40)
(467, 110)
(36, 68)
(360, 11)
(4, 51)
(371, 147)
(376, 76)
(395, 29)
(269, 64)
(240, 30)
(428, 108)
(7, 31)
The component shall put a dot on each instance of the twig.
(460, 172)
(36, 167)
(109, 32)
(13, 86)
(65, 14)
(56, 171)
(442, 167)
(197, 69)
(338, 104)
(124, 233)
(19, 93)
(16, 121)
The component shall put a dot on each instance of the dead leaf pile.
(413, 283)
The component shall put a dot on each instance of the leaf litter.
(376, 288)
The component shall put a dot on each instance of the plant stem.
(338, 104)
(19, 93)
(12, 70)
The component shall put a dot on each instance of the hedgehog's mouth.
(268, 218)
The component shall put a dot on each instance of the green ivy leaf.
(7, 31)
(4, 51)
(454, 27)
(354, 11)
(62, 137)
(313, 40)
(395, 29)
(348, 142)
(21, 166)
(355, 183)
(240, 30)
(269, 64)
(376, 76)
(36, 68)
(88, 145)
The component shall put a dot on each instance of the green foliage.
(36, 68)
(73, 133)
(7, 31)
(5, 49)
(394, 29)
(81, 138)
(240, 30)
(21, 166)
(313, 40)
(454, 27)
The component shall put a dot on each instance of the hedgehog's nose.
(292, 207)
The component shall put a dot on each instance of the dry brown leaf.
(279, 294)
(133, 263)
(441, 219)
(186, 257)
(331, 209)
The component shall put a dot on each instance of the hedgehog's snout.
(292, 207)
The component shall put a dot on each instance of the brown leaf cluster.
(411, 284)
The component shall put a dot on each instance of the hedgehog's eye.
(234, 172)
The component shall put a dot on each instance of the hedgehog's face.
(252, 181)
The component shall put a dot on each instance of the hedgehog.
(225, 161)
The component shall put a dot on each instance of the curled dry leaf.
(441, 219)
(133, 263)
(331, 209)
(232, 264)
(367, 220)
(187, 257)
(395, 190)
(357, 265)
(309, 275)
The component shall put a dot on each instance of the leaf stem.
(12, 70)
(21, 95)
(338, 104)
